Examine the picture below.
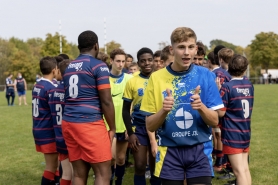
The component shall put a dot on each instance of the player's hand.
(196, 102)
(126, 135)
(134, 142)
(168, 101)
(217, 81)
(111, 135)
(154, 148)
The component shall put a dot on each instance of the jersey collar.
(143, 76)
(170, 70)
(114, 76)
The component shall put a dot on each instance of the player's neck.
(237, 77)
(224, 66)
(115, 72)
(214, 67)
(48, 77)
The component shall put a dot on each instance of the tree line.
(17, 55)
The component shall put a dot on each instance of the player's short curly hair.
(63, 66)
(87, 40)
(165, 53)
(157, 53)
(143, 51)
(211, 57)
(47, 64)
(182, 34)
(201, 49)
(117, 52)
(237, 65)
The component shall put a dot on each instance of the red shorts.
(230, 150)
(63, 156)
(47, 148)
(89, 142)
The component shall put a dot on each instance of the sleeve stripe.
(146, 113)
(104, 86)
(217, 107)
(127, 99)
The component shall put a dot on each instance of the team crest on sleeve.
(140, 92)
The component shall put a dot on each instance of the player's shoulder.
(159, 73)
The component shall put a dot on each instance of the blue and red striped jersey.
(57, 104)
(83, 79)
(42, 121)
(238, 99)
(222, 74)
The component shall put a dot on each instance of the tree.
(51, 45)
(110, 46)
(6, 50)
(264, 50)
(73, 52)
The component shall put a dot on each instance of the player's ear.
(171, 50)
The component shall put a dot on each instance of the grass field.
(20, 164)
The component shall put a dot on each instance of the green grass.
(20, 164)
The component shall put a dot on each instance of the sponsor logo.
(37, 90)
(244, 91)
(59, 95)
(104, 69)
(77, 66)
(113, 95)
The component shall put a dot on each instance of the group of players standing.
(175, 102)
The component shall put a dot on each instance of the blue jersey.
(238, 99)
(183, 126)
(222, 74)
(83, 79)
(20, 85)
(42, 121)
(57, 104)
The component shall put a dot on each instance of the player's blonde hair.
(182, 34)
(226, 54)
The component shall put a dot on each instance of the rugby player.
(43, 131)
(238, 99)
(181, 101)
(139, 139)
(87, 99)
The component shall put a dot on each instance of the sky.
(136, 24)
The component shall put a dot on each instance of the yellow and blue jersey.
(134, 92)
(118, 84)
(183, 126)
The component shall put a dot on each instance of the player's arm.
(25, 84)
(108, 108)
(155, 121)
(133, 140)
(221, 112)
(152, 142)
(210, 117)
(126, 117)
(15, 82)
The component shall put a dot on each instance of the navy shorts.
(194, 161)
(120, 136)
(142, 135)
(21, 93)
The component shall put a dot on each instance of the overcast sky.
(135, 24)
